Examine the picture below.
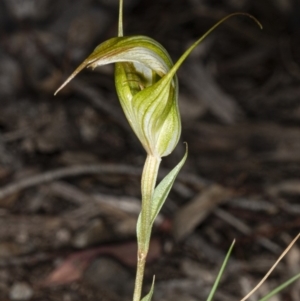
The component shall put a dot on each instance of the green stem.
(149, 177)
(139, 278)
(120, 25)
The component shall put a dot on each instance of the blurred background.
(70, 165)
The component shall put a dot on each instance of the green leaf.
(163, 188)
(138, 229)
(214, 288)
(149, 295)
(280, 288)
(159, 196)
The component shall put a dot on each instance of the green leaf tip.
(217, 281)
(148, 297)
(280, 288)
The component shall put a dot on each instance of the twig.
(87, 202)
(271, 269)
(80, 170)
(99, 101)
(222, 105)
(287, 58)
(243, 228)
(60, 173)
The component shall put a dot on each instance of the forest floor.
(70, 166)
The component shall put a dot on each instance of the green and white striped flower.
(148, 97)
(146, 85)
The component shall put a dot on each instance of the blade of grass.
(280, 288)
(271, 269)
(216, 283)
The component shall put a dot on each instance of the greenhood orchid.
(147, 87)
(149, 102)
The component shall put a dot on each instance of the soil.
(70, 166)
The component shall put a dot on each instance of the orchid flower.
(147, 87)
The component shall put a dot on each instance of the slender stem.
(149, 177)
(139, 278)
(120, 26)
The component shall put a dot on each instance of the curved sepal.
(134, 49)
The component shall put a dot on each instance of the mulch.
(70, 165)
